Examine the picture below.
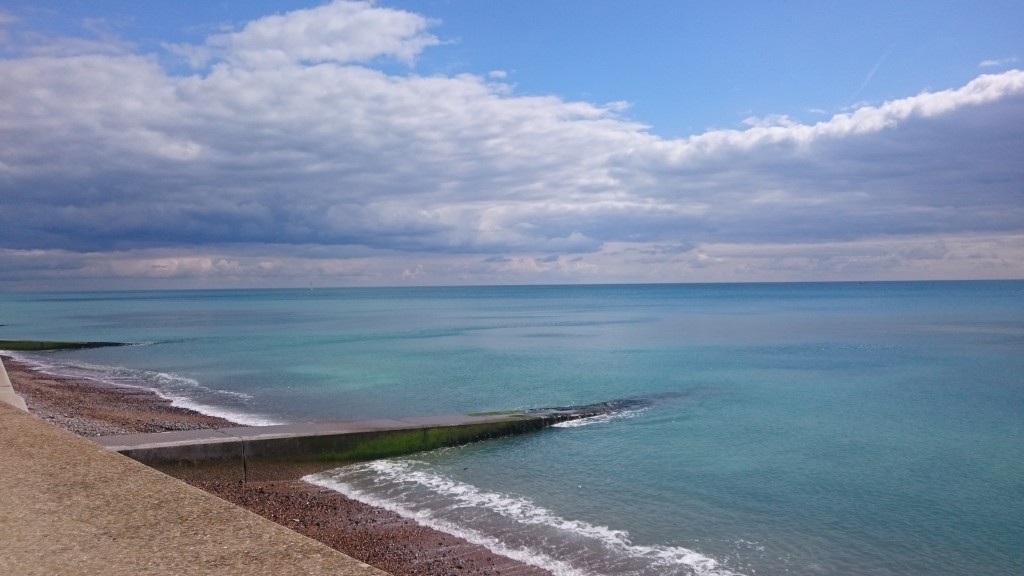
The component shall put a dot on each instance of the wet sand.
(373, 535)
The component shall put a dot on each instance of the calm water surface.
(861, 429)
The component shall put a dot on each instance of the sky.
(457, 142)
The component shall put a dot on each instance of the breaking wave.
(509, 525)
(181, 391)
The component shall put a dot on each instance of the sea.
(869, 429)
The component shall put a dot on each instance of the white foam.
(425, 518)
(520, 511)
(168, 382)
(162, 384)
(243, 418)
(600, 419)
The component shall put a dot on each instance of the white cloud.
(5, 21)
(292, 155)
(339, 32)
(998, 63)
(864, 120)
(988, 256)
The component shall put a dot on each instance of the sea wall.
(7, 393)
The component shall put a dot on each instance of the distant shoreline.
(372, 535)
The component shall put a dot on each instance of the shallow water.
(793, 428)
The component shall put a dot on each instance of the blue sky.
(455, 142)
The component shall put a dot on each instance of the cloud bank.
(290, 154)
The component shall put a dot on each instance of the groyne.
(50, 345)
(287, 451)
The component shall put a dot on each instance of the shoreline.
(94, 408)
(372, 535)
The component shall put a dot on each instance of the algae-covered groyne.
(48, 345)
(291, 450)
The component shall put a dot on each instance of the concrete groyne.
(291, 450)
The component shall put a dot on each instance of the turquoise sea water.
(860, 429)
